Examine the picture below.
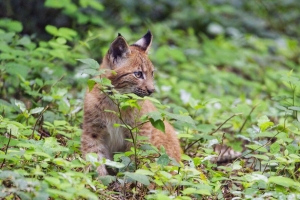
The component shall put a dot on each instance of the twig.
(39, 118)
(189, 146)
(257, 147)
(248, 116)
(6, 148)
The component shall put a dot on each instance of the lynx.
(132, 73)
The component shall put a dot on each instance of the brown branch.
(39, 118)
(248, 116)
(189, 146)
(6, 148)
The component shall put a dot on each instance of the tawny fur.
(99, 134)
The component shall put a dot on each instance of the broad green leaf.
(39, 153)
(56, 3)
(292, 148)
(236, 166)
(60, 123)
(52, 30)
(138, 177)
(257, 147)
(11, 25)
(92, 157)
(265, 134)
(36, 110)
(159, 124)
(20, 105)
(262, 157)
(196, 191)
(284, 181)
(275, 148)
(182, 118)
(144, 172)
(114, 164)
(265, 125)
(163, 197)
(57, 193)
(253, 177)
(155, 115)
(163, 160)
(93, 3)
(106, 180)
(91, 83)
(67, 33)
(90, 63)
(61, 40)
(295, 108)
(263, 119)
(12, 129)
(61, 162)
(52, 180)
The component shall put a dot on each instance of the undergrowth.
(240, 92)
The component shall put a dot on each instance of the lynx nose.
(150, 90)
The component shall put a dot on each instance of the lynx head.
(134, 70)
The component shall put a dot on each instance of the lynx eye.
(139, 74)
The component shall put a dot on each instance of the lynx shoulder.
(133, 74)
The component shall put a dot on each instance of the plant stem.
(189, 146)
(6, 148)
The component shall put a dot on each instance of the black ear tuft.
(145, 42)
(118, 49)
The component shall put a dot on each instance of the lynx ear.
(145, 42)
(118, 49)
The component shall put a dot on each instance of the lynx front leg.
(91, 143)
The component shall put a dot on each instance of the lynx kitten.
(133, 73)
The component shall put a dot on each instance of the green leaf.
(52, 180)
(257, 147)
(57, 193)
(56, 3)
(295, 108)
(265, 125)
(275, 148)
(138, 177)
(262, 157)
(159, 124)
(144, 172)
(188, 191)
(11, 25)
(162, 197)
(67, 33)
(182, 118)
(114, 164)
(60, 123)
(90, 63)
(61, 40)
(91, 83)
(51, 30)
(163, 160)
(155, 115)
(94, 4)
(36, 110)
(291, 148)
(106, 180)
(284, 181)
(12, 129)
(61, 162)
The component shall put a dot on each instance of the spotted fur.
(134, 74)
